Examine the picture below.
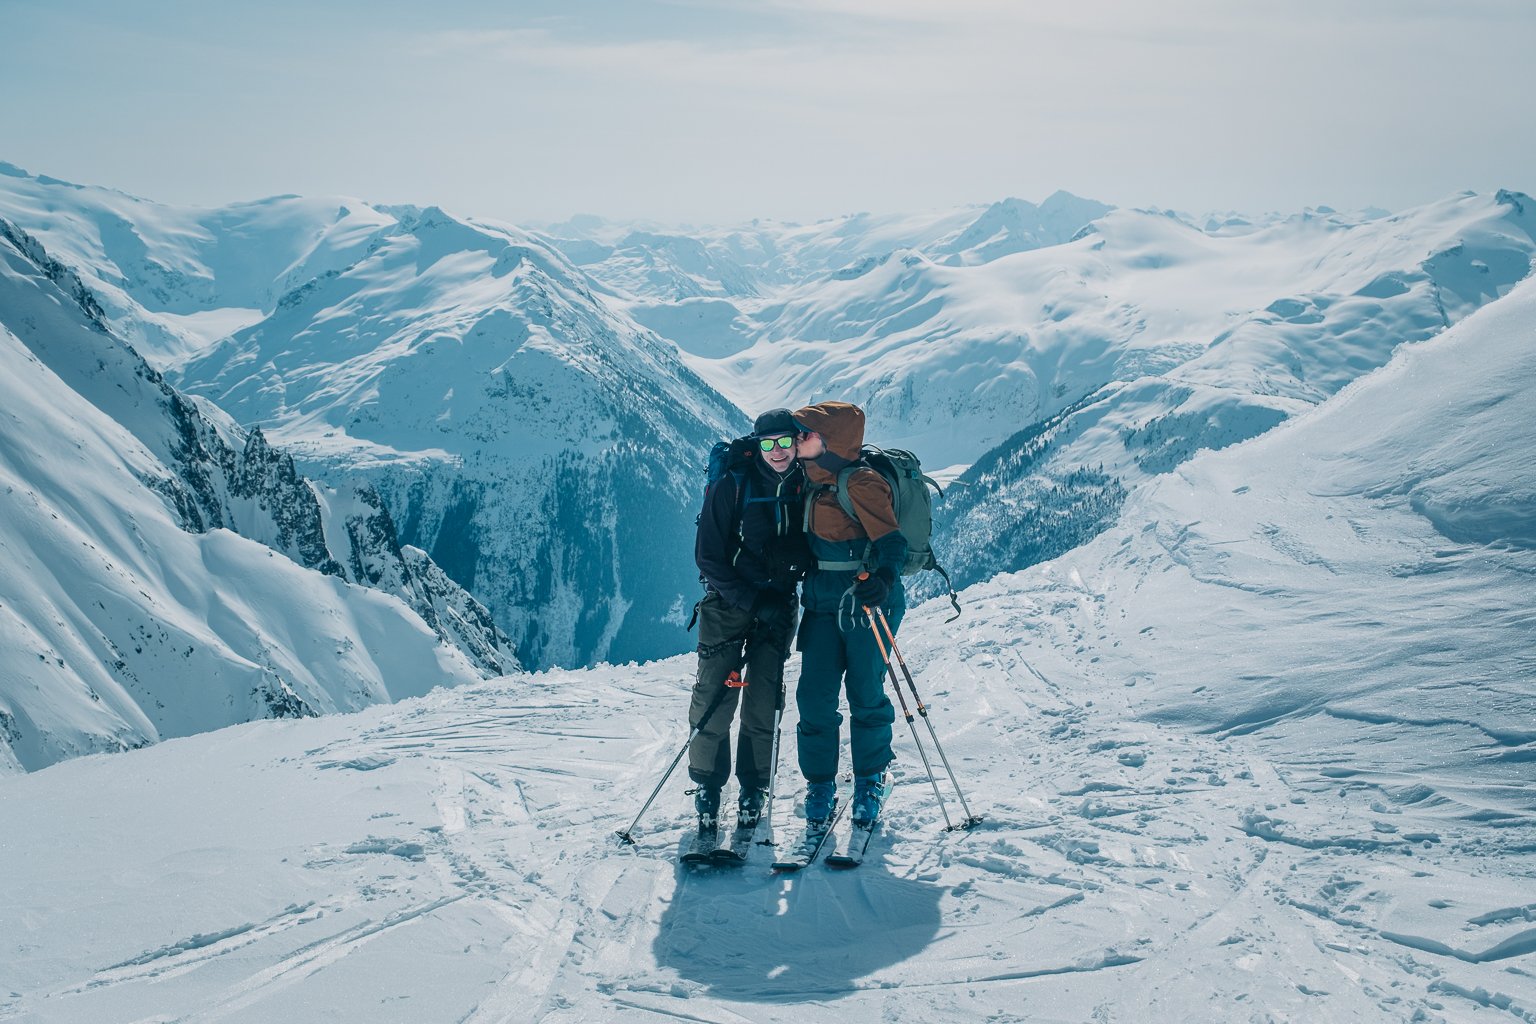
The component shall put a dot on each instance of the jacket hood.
(840, 425)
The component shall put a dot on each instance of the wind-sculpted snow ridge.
(119, 628)
(1392, 525)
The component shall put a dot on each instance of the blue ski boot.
(819, 798)
(868, 797)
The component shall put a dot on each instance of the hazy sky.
(687, 110)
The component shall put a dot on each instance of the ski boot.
(868, 796)
(819, 800)
(749, 807)
(706, 801)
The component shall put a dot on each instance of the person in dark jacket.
(751, 554)
(838, 648)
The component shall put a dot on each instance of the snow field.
(451, 858)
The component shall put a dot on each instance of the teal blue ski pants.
(837, 657)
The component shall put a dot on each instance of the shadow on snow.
(787, 939)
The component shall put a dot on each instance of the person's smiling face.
(778, 457)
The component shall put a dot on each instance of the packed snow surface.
(1262, 752)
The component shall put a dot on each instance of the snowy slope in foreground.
(1160, 851)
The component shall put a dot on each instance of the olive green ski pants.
(756, 645)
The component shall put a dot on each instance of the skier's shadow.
(818, 934)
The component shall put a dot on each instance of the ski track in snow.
(1123, 871)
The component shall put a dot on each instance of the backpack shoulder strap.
(845, 499)
(743, 485)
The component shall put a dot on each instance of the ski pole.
(891, 671)
(971, 820)
(625, 837)
(773, 780)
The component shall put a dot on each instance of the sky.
(687, 111)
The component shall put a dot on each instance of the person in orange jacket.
(838, 648)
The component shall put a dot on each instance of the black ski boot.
(749, 807)
(706, 801)
(749, 813)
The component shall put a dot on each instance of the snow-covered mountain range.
(143, 597)
(1068, 361)
(1260, 751)
(526, 416)
(546, 451)
(649, 264)
(951, 360)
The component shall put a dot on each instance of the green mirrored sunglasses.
(767, 443)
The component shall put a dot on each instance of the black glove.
(767, 598)
(790, 558)
(873, 590)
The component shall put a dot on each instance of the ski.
(702, 849)
(735, 854)
(810, 845)
(853, 853)
(859, 836)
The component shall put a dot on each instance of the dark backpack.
(733, 457)
(909, 499)
(729, 457)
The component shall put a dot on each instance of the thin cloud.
(831, 69)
